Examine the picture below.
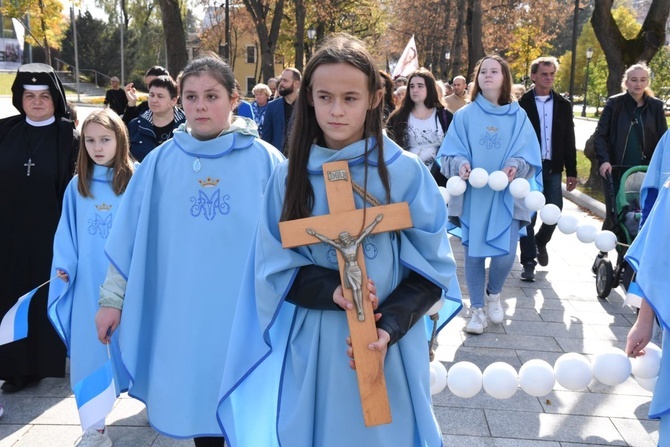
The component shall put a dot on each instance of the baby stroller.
(625, 217)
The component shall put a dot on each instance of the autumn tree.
(598, 67)
(46, 22)
(622, 52)
(143, 16)
(431, 23)
(264, 13)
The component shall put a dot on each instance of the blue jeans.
(552, 194)
(475, 270)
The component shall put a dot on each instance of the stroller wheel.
(596, 261)
(604, 278)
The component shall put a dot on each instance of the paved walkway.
(558, 313)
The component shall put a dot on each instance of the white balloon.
(500, 380)
(536, 377)
(647, 384)
(498, 180)
(435, 308)
(573, 371)
(478, 178)
(586, 233)
(433, 375)
(611, 367)
(445, 194)
(648, 365)
(519, 188)
(605, 241)
(456, 186)
(568, 224)
(534, 200)
(440, 377)
(550, 214)
(464, 379)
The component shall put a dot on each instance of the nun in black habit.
(37, 155)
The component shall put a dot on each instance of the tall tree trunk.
(457, 45)
(267, 38)
(445, 46)
(175, 37)
(473, 24)
(299, 43)
(621, 52)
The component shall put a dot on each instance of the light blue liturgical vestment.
(287, 380)
(648, 255)
(659, 168)
(79, 245)
(181, 239)
(488, 136)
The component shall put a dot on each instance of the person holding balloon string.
(495, 134)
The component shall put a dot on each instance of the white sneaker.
(93, 438)
(494, 308)
(477, 322)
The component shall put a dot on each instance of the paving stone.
(552, 427)
(638, 433)
(597, 404)
(474, 441)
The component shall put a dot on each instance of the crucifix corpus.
(340, 229)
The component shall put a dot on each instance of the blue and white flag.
(14, 325)
(95, 395)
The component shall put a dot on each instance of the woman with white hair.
(262, 95)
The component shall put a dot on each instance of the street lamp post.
(589, 55)
(447, 57)
(311, 35)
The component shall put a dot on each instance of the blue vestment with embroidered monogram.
(79, 245)
(287, 379)
(488, 136)
(181, 240)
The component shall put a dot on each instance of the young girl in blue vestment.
(91, 201)
(287, 380)
(178, 252)
(493, 133)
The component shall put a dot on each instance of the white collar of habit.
(46, 122)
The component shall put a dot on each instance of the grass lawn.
(6, 81)
(583, 169)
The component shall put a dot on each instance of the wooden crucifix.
(341, 229)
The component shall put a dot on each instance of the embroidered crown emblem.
(492, 129)
(209, 182)
(103, 207)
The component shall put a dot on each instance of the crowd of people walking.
(160, 226)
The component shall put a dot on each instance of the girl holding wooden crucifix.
(287, 379)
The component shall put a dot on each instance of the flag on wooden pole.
(408, 62)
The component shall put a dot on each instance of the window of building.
(251, 83)
(251, 54)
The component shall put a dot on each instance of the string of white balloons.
(519, 188)
(537, 377)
